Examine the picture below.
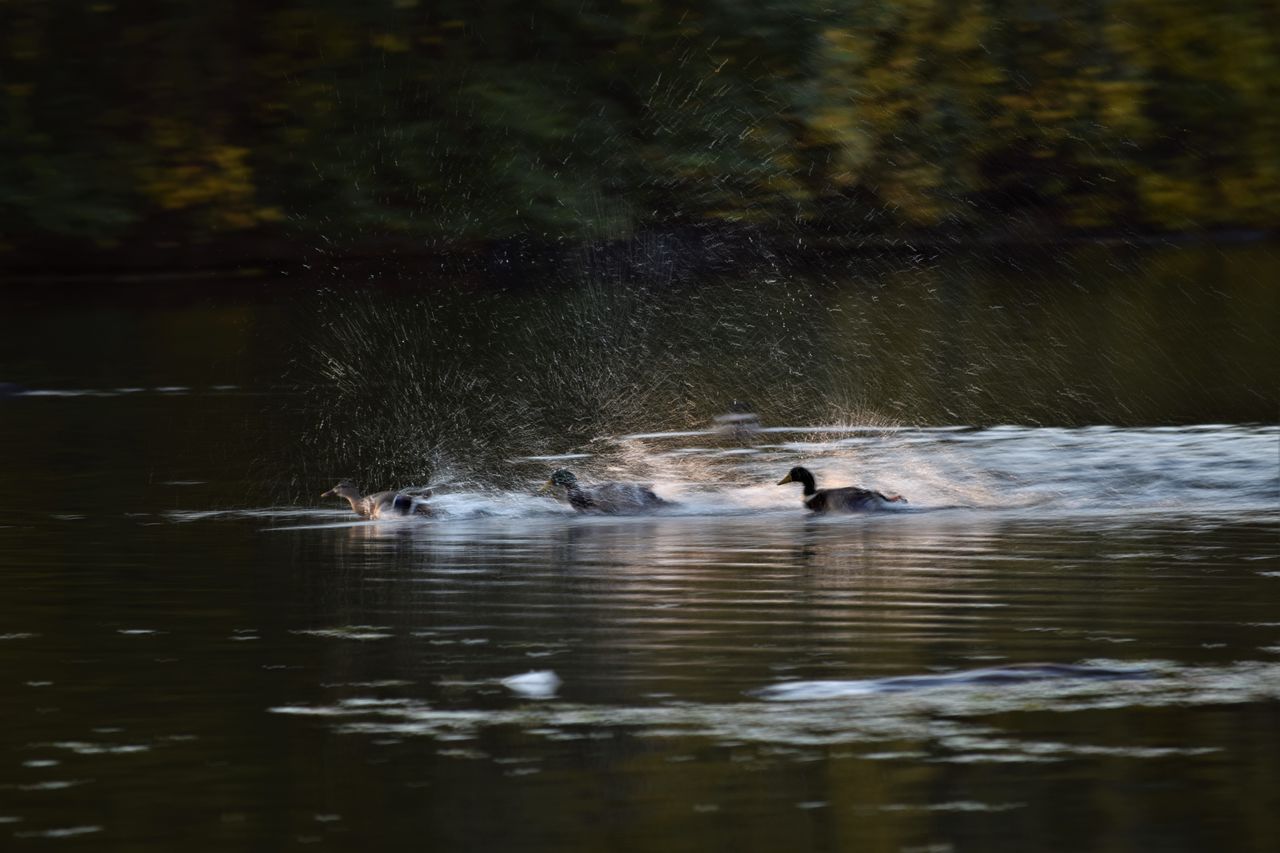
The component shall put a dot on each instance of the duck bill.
(785, 480)
(546, 487)
(328, 494)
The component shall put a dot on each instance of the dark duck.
(603, 497)
(393, 504)
(847, 499)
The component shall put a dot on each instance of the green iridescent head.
(563, 477)
(560, 478)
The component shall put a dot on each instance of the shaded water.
(1070, 639)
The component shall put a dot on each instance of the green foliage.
(452, 122)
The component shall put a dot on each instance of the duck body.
(390, 504)
(606, 498)
(849, 499)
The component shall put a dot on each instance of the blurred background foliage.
(442, 123)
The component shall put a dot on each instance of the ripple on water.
(800, 691)
(86, 748)
(954, 717)
(60, 832)
(363, 633)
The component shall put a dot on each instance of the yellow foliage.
(209, 177)
(1121, 102)
(1170, 200)
(389, 43)
(1128, 113)
(1254, 196)
(884, 80)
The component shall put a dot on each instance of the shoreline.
(671, 253)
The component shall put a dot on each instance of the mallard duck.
(380, 504)
(848, 499)
(603, 497)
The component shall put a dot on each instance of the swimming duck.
(848, 499)
(380, 504)
(603, 497)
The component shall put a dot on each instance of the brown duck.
(381, 504)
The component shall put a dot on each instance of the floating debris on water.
(538, 684)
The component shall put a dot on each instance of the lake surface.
(1068, 639)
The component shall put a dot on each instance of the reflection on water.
(253, 678)
(1070, 641)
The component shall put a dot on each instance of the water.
(1068, 640)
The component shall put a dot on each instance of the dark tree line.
(444, 122)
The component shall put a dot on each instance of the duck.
(610, 498)
(393, 504)
(847, 499)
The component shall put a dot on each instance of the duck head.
(344, 489)
(799, 475)
(562, 478)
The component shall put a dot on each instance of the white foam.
(536, 684)
(1104, 474)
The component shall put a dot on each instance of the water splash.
(1099, 473)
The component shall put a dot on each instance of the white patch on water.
(62, 832)
(362, 633)
(555, 457)
(642, 436)
(993, 677)
(538, 684)
(115, 392)
(957, 721)
(64, 392)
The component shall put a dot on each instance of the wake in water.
(1020, 470)
(794, 691)
(1096, 472)
(958, 720)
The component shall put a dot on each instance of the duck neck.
(807, 482)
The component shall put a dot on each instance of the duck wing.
(848, 499)
(622, 497)
(392, 503)
(406, 504)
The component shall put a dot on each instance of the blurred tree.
(449, 122)
(1210, 155)
(903, 92)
